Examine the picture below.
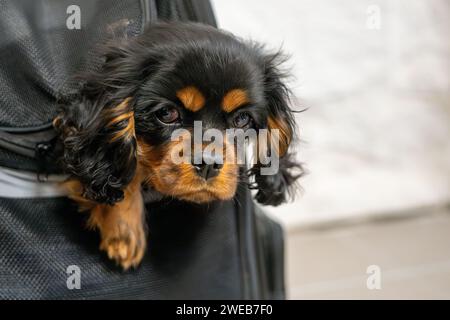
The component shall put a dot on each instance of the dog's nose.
(209, 168)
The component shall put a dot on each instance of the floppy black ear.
(99, 147)
(97, 128)
(276, 188)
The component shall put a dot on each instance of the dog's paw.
(125, 244)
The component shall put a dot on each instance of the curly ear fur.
(276, 189)
(97, 127)
(100, 151)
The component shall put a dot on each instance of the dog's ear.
(274, 189)
(97, 128)
(99, 147)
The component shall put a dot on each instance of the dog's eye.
(168, 114)
(242, 120)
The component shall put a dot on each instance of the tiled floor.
(413, 253)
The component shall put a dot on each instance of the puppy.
(116, 132)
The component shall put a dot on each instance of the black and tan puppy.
(116, 133)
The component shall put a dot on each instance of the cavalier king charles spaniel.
(116, 131)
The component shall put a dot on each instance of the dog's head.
(172, 77)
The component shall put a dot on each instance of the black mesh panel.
(39, 53)
(192, 254)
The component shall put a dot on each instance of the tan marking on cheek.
(156, 164)
(191, 98)
(159, 171)
(234, 99)
(285, 134)
(225, 183)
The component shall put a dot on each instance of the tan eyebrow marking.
(191, 98)
(234, 99)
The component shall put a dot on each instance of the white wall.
(376, 136)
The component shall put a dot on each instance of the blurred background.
(375, 76)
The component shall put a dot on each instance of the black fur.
(148, 70)
(278, 188)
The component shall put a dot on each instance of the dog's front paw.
(125, 244)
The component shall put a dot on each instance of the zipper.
(41, 127)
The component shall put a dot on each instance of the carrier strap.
(33, 145)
